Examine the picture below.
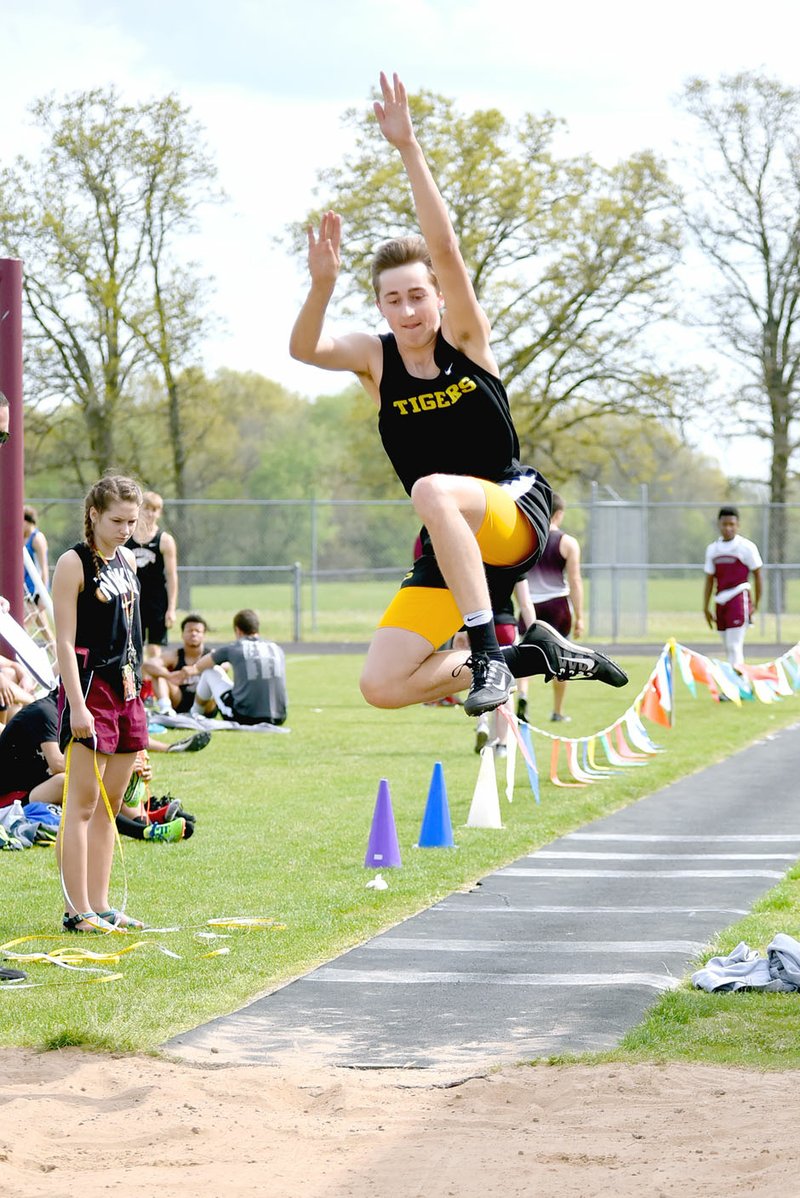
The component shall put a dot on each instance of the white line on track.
(420, 944)
(569, 855)
(653, 838)
(393, 977)
(637, 873)
(489, 909)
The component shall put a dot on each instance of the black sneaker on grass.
(11, 975)
(566, 661)
(492, 683)
(192, 744)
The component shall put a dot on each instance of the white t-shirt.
(731, 562)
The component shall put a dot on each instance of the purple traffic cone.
(383, 851)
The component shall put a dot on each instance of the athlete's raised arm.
(464, 323)
(359, 352)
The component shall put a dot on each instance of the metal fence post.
(645, 546)
(314, 563)
(769, 583)
(594, 589)
(298, 578)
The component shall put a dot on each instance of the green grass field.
(347, 611)
(283, 824)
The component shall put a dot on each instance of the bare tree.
(98, 220)
(746, 219)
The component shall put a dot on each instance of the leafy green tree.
(745, 216)
(97, 219)
(571, 260)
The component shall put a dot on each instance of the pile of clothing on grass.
(23, 827)
(746, 969)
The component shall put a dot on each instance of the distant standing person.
(556, 590)
(257, 693)
(157, 570)
(730, 560)
(36, 544)
(506, 627)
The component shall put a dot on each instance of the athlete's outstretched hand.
(393, 114)
(323, 250)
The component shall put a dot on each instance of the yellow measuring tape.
(86, 960)
(107, 804)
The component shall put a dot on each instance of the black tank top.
(102, 628)
(149, 565)
(190, 686)
(457, 423)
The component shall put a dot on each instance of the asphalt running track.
(562, 951)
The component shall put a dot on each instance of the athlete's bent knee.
(379, 691)
(428, 492)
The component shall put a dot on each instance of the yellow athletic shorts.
(505, 537)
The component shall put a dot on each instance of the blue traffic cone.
(436, 831)
(383, 850)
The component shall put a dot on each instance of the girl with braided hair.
(99, 639)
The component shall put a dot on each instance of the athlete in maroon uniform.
(730, 560)
(556, 590)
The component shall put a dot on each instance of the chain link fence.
(323, 570)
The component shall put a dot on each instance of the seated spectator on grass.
(144, 816)
(31, 762)
(174, 674)
(16, 689)
(257, 693)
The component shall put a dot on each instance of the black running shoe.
(11, 975)
(492, 683)
(567, 661)
(192, 744)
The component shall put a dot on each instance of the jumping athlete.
(556, 590)
(446, 427)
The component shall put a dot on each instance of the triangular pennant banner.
(554, 778)
(624, 748)
(529, 757)
(637, 733)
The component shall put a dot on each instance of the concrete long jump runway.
(562, 951)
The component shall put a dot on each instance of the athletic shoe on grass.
(11, 975)
(192, 744)
(173, 831)
(482, 733)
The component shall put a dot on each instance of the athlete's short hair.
(558, 503)
(29, 515)
(152, 499)
(193, 618)
(246, 621)
(728, 511)
(401, 251)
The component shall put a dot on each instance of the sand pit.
(80, 1124)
